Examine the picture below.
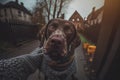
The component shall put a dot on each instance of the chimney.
(22, 4)
(93, 9)
(16, 1)
(62, 16)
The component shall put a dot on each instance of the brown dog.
(75, 43)
(60, 40)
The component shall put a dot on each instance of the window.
(5, 12)
(73, 19)
(78, 19)
(24, 15)
(19, 13)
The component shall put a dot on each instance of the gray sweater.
(30, 66)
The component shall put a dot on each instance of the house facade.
(95, 17)
(14, 12)
(77, 20)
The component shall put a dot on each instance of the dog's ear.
(73, 36)
(76, 42)
(41, 36)
(46, 28)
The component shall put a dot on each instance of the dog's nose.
(57, 35)
(56, 39)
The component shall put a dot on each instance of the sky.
(84, 7)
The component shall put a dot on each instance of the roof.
(93, 15)
(13, 4)
(75, 15)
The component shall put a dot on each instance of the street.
(24, 49)
(80, 61)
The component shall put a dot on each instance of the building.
(16, 23)
(95, 17)
(14, 12)
(77, 20)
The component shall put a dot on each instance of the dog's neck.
(61, 64)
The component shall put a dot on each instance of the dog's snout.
(56, 41)
(57, 35)
(58, 32)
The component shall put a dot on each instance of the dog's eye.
(53, 26)
(67, 29)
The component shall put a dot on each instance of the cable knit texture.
(22, 68)
(19, 68)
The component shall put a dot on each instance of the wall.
(12, 14)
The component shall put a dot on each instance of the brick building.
(77, 20)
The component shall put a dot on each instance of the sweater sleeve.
(19, 68)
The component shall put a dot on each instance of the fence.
(16, 32)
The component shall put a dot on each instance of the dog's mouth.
(56, 42)
(56, 46)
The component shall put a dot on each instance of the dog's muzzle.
(56, 44)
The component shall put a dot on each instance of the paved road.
(80, 60)
(24, 49)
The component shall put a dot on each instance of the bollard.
(85, 45)
(91, 49)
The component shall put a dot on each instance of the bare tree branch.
(60, 8)
(55, 7)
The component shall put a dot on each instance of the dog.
(76, 42)
(60, 39)
(55, 59)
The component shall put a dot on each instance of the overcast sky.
(84, 7)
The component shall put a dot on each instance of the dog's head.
(59, 35)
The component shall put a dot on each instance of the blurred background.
(96, 21)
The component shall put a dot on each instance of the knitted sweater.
(29, 66)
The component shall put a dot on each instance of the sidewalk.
(80, 60)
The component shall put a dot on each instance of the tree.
(48, 8)
(60, 8)
(53, 8)
(38, 17)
